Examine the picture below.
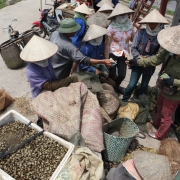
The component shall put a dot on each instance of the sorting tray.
(13, 116)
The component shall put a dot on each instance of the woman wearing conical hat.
(39, 70)
(80, 17)
(100, 18)
(169, 97)
(94, 48)
(144, 44)
(120, 33)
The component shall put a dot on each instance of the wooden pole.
(176, 17)
(41, 5)
(163, 6)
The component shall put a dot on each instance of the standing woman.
(80, 17)
(117, 43)
(144, 44)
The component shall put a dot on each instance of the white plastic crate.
(12, 116)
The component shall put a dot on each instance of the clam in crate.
(40, 159)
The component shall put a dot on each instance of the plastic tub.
(12, 116)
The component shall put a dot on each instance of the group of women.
(115, 39)
(145, 47)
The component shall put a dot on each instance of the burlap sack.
(106, 86)
(5, 99)
(70, 109)
(129, 111)
(109, 101)
(83, 164)
(105, 117)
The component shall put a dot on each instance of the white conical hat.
(100, 4)
(152, 166)
(38, 49)
(106, 7)
(83, 9)
(94, 31)
(99, 19)
(169, 39)
(120, 9)
(154, 17)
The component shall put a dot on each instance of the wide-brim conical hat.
(38, 49)
(105, 7)
(83, 9)
(94, 31)
(169, 39)
(100, 4)
(99, 19)
(120, 9)
(152, 166)
(154, 17)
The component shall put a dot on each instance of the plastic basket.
(116, 147)
(12, 116)
(10, 53)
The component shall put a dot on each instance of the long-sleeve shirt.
(172, 69)
(120, 41)
(67, 54)
(138, 47)
(37, 76)
(77, 39)
(95, 52)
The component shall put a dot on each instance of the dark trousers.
(121, 67)
(163, 118)
(135, 75)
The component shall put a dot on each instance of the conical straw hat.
(99, 19)
(100, 4)
(154, 17)
(169, 39)
(83, 9)
(152, 166)
(120, 9)
(105, 7)
(94, 31)
(38, 49)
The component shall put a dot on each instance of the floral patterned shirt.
(120, 41)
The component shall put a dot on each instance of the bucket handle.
(143, 135)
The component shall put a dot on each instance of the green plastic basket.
(116, 147)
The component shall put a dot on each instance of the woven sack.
(10, 53)
(109, 101)
(70, 109)
(129, 111)
(106, 86)
(105, 117)
(5, 100)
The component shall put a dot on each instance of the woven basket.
(27, 35)
(116, 147)
(68, 13)
(10, 53)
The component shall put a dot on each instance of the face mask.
(155, 31)
(43, 63)
(96, 42)
(122, 19)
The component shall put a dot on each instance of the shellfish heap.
(36, 160)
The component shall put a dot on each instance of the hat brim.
(69, 30)
(112, 17)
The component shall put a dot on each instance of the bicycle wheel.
(39, 31)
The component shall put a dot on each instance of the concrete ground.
(15, 81)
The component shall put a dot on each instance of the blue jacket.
(139, 45)
(95, 52)
(77, 39)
